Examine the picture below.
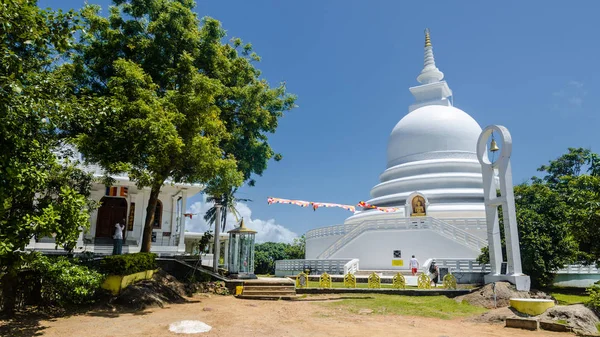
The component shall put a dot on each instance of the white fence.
(459, 265)
(579, 269)
(329, 231)
(333, 266)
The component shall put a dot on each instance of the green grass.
(424, 306)
(567, 296)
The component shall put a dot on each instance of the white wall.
(316, 246)
(375, 249)
(140, 198)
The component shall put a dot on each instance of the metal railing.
(447, 230)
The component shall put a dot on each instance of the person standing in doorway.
(414, 265)
(118, 238)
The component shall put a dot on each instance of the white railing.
(466, 223)
(462, 223)
(351, 267)
(333, 266)
(459, 235)
(329, 231)
(579, 269)
(445, 229)
(459, 265)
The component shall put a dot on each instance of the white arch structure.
(501, 167)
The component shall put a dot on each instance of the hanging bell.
(494, 146)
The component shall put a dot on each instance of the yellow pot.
(531, 306)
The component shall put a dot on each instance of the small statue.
(419, 209)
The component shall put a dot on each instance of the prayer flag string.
(316, 205)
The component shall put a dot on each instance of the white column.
(181, 246)
(217, 246)
(226, 257)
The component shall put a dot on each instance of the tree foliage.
(178, 104)
(575, 176)
(267, 253)
(42, 193)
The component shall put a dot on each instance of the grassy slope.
(566, 296)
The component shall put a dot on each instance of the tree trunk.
(9, 291)
(147, 238)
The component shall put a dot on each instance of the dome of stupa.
(432, 128)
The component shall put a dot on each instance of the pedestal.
(522, 282)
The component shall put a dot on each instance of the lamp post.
(217, 244)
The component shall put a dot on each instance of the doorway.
(113, 210)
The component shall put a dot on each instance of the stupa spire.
(430, 73)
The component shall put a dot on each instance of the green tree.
(228, 202)
(40, 195)
(575, 176)
(266, 254)
(297, 249)
(182, 105)
(546, 243)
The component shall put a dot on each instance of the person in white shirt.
(118, 238)
(414, 265)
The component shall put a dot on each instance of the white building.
(124, 200)
(432, 176)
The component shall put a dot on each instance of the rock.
(578, 316)
(484, 296)
(207, 309)
(365, 311)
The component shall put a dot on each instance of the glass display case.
(241, 252)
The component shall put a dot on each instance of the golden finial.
(427, 39)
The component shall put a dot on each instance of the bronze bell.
(494, 146)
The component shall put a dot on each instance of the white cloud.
(570, 96)
(267, 230)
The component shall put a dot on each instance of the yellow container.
(239, 290)
(531, 306)
(116, 283)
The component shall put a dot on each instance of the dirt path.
(229, 316)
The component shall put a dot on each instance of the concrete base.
(522, 282)
(243, 276)
(522, 323)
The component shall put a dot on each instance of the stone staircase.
(269, 289)
(443, 228)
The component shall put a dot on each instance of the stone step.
(268, 297)
(269, 288)
(269, 292)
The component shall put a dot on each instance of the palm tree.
(228, 205)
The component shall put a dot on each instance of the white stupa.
(433, 177)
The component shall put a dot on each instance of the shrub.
(594, 301)
(128, 263)
(64, 282)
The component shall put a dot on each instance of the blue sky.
(527, 65)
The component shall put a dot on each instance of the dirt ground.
(229, 316)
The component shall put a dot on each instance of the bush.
(594, 301)
(64, 282)
(128, 263)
